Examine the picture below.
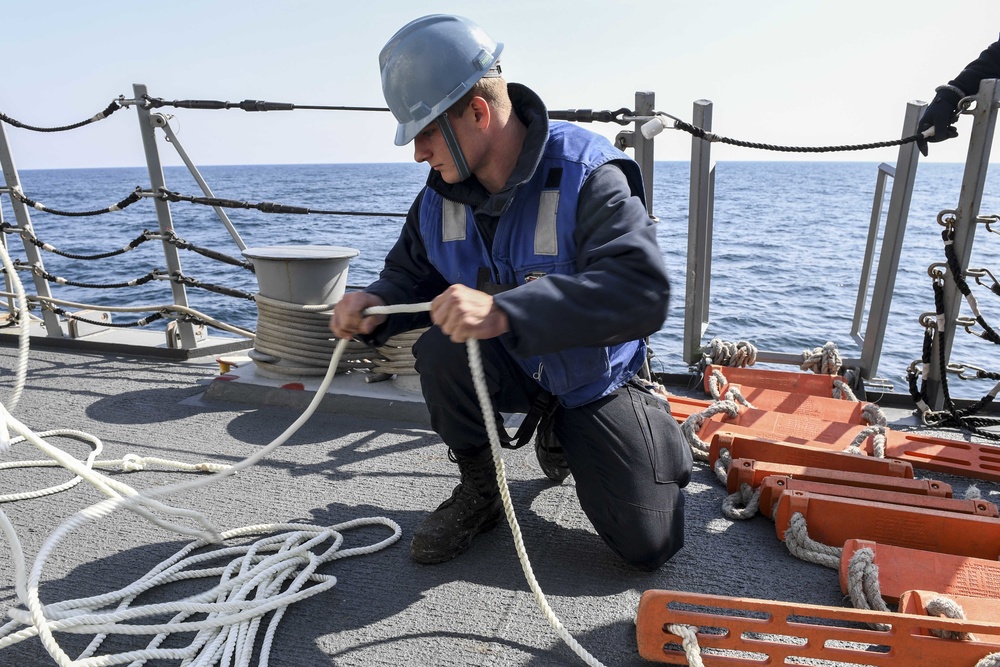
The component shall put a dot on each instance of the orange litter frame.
(754, 473)
(741, 631)
(795, 383)
(832, 521)
(773, 487)
(761, 448)
(901, 569)
(956, 457)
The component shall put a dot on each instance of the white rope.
(742, 505)
(948, 608)
(479, 379)
(129, 463)
(841, 388)
(689, 642)
(270, 588)
(801, 545)
(863, 585)
(70, 616)
(692, 425)
(723, 353)
(877, 434)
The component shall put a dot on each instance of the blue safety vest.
(534, 238)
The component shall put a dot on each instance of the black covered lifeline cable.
(119, 325)
(700, 133)
(135, 196)
(264, 207)
(113, 107)
(248, 105)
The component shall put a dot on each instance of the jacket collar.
(532, 112)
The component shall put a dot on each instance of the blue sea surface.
(788, 245)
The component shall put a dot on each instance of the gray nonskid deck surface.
(385, 609)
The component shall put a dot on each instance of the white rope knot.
(722, 353)
(873, 414)
(133, 463)
(822, 360)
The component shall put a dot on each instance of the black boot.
(474, 507)
(548, 451)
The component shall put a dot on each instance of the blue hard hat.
(429, 64)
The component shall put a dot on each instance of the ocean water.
(787, 248)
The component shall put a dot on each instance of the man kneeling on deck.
(533, 238)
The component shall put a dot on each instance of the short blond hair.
(491, 89)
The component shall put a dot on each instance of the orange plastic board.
(832, 521)
(761, 448)
(741, 631)
(974, 609)
(772, 488)
(832, 409)
(901, 569)
(754, 473)
(798, 383)
(956, 457)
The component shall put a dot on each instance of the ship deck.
(352, 461)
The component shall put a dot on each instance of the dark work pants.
(626, 452)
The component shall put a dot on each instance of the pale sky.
(795, 72)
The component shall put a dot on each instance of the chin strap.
(456, 151)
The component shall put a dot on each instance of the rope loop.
(801, 545)
(824, 360)
(947, 608)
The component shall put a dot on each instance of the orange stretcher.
(795, 383)
(908, 493)
(832, 521)
(901, 569)
(741, 631)
(754, 473)
(761, 449)
(973, 608)
(956, 457)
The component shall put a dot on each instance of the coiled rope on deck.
(234, 608)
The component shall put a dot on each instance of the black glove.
(939, 114)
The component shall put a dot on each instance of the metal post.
(701, 205)
(219, 211)
(642, 146)
(976, 165)
(51, 321)
(147, 124)
(892, 243)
